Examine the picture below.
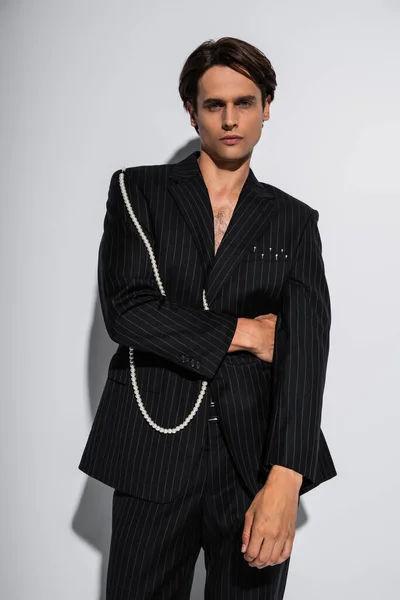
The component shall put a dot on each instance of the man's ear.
(190, 109)
(266, 112)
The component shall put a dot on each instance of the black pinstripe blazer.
(269, 261)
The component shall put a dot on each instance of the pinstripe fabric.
(269, 260)
(154, 546)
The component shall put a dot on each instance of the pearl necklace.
(131, 351)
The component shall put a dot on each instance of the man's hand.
(264, 349)
(270, 520)
(256, 335)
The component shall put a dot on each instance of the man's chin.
(230, 154)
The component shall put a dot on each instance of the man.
(237, 308)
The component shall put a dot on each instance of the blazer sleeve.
(302, 347)
(134, 310)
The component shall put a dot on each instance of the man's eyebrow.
(249, 97)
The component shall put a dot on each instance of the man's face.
(228, 103)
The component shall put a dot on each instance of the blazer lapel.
(186, 186)
(252, 214)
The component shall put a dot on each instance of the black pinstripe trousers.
(154, 547)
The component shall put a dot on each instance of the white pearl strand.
(131, 351)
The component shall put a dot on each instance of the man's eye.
(217, 104)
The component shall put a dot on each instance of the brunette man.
(236, 257)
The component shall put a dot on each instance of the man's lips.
(231, 141)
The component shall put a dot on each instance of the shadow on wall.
(92, 519)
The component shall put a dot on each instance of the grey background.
(89, 87)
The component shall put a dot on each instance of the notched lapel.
(253, 213)
(196, 210)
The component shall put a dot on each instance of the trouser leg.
(225, 502)
(154, 547)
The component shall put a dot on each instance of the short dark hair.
(230, 52)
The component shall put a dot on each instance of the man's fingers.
(248, 522)
(254, 546)
(258, 539)
(285, 553)
(267, 550)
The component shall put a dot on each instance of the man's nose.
(229, 118)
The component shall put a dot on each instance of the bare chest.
(222, 211)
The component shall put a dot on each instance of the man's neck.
(223, 179)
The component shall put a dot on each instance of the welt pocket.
(267, 258)
(120, 376)
(124, 376)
